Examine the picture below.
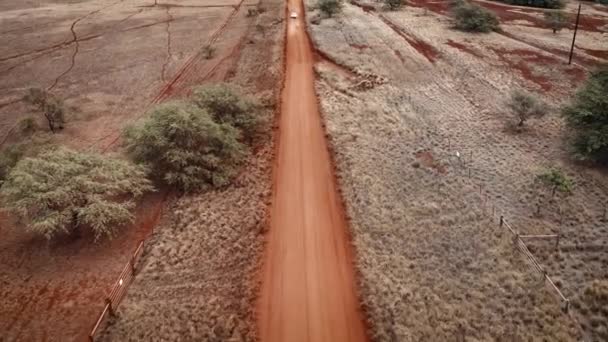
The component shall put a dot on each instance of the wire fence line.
(118, 290)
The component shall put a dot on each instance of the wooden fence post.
(501, 220)
(567, 306)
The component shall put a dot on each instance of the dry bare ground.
(401, 93)
(109, 60)
(198, 277)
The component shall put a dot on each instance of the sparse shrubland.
(587, 117)
(49, 105)
(471, 17)
(525, 106)
(185, 147)
(60, 191)
(330, 7)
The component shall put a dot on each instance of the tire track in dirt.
(169, 54)
(308, 287)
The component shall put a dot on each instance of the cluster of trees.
(470, 17)
(586, 116)
(190, 146)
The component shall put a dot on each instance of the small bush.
(28, 126)
(185, 147)
(393, 5)
(587, 117)
(51, 107)
(473, 18)
(556, 180)
(208, 52)
(525, 107)
(227, 105)
(60, 190)
(330, 7)
(556, 20)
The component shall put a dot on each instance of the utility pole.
(574, 37)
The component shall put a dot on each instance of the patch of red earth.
(399, 55)
(577, 75)
(426, 159)
(424, 48)
(521, 59)
(464, 48)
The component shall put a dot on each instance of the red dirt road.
(308, 286)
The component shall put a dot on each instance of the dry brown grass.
(432, 267)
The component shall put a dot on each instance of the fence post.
(501, 220)
(567, 307)
(109, 303)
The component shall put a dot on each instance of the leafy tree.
(330, 7)
(228, 106)
(587, 117)
(60, 190)
(556, 180)
(393, 5)
(556, 20)
(8, 159)
(471, 17)
(185, 147)
(51, 107)
(525, 106)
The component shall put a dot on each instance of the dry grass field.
(110, 60)
(401, 93)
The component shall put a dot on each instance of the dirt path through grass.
(308, 287)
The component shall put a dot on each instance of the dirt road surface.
(308, 286)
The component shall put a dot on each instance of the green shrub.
(556, 20)
(185, 147)
(330, 7)
(556, 180)
(525, 107)
(587, 117)
(228, 106)
(470, 17)
(60, 190)
(28, 126)
(8, 159)
(51, 107)
(393, 5)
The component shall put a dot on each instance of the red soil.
(521, 59)
(603, 54)
(359, 46)
(424, 48)
(464, 48)
(308, 287)
(441, 7)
